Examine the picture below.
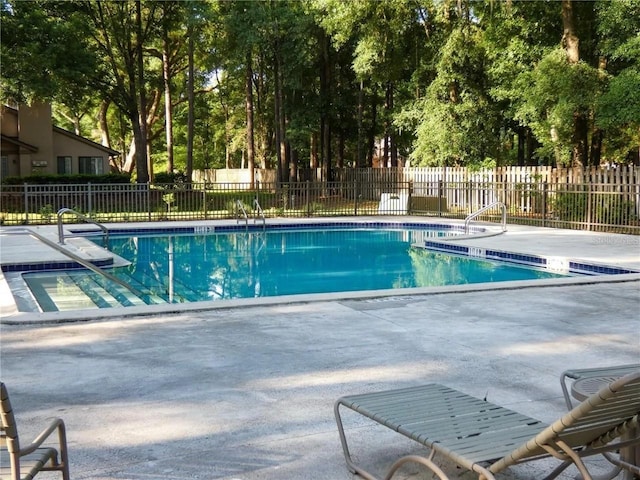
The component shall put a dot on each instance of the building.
(31, 144)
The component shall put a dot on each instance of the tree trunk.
(520, 131)
(393, 147)
(372, 131)
(191, 101)
(571, 44)
(570, 40)
(140, 124)
(387, 125)
(168, 110)
(283, 159)
(361, 157)
(596, 147)
(325, 106)
(313, 159)
(293, 164)
(249, 111)
(227, 138)
(326, 151)
(103, 124)
(276, 117)
(341, 148)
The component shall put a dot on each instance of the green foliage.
(42, 57)
(46, 213)
(549, 97)
(67, 179)
(453, 83)
(619, 106)
(458, 124)
(596, 207)
(177, 179)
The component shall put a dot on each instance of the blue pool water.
(177, 267)
(287, 262)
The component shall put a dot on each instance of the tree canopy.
(325, 84)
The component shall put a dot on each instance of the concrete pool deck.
(247, 393)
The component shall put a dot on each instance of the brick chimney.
(35, 128)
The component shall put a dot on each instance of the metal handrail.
(258, 208)
(240, 207)
(62, 211)
(83, 262)
(484, 209)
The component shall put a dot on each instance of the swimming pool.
(192, 265)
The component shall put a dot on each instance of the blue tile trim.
(62, 265)
(210, 229)
(579, 268)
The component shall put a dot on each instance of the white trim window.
(91, 165)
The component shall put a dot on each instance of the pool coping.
(11, 316)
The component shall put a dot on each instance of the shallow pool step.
(105, 293)
(62, 291)
(58, 292)
(158, 292)
(149, 297)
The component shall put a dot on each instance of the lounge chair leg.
(416, 459)
(577, 460)
(351, 465)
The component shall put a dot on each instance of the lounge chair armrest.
(56, 424)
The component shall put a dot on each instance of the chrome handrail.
(258, 208)
(62, 211)
(85, 263)
(241, 208)
(484, 209)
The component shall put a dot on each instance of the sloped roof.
(15, 141)
(78, 138)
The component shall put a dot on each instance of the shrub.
(42, 179)
(176, 180)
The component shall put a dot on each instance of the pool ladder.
(470, 217)
(62, 211)
(241, 210)
(258, 209)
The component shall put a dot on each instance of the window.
(64, 166)
(4, 165)
(91, 165)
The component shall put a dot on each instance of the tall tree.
(44, 57)
(120, 32)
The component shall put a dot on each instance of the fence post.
(89, 199)
(589, 209)
(148, 185)
(545, 194)
(307, 197)
(440, 195)
(355, 195)
(204, 199)
(26, 204)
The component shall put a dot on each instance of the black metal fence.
(588, 206)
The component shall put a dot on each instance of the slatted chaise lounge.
(24, 463)
(487, 439)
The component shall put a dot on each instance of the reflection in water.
(184, 268)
